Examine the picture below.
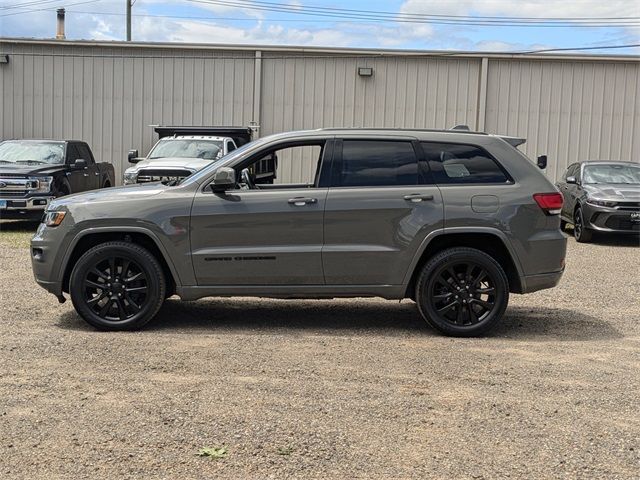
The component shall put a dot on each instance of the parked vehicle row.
(454, 220)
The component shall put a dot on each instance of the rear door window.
(452, 163)
(374, 163)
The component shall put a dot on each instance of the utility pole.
(129, 4)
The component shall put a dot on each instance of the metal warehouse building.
(108, 93)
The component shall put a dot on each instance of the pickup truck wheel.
(117, 286)
(462, 292)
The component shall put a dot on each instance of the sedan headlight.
(41, 184)
(602, 203)
(53, 219)
(130, 177)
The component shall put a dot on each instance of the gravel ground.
(326, 389)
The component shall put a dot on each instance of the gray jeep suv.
(453, 220)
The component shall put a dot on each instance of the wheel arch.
(142, 237)
(490, 241)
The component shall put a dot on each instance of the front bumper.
(47, 248)
(16, 208)
(613, 220)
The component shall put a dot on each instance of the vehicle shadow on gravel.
(26, 226)
(361, 317)
(611, 240)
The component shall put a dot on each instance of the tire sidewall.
(428, 279)
(100, 253)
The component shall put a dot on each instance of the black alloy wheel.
(580, 232)
(117, 286)
(462, 292)
(116, 289)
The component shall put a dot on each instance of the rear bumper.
(533, 283)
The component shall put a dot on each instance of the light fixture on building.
(4, 58)
(365, 71)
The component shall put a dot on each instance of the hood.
(26, 170)
(194, 164)
(116, 194)
(614, 192)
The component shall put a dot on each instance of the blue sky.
(228, 22)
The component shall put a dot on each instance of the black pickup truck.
(34, 172)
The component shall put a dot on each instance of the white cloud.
(525, 8)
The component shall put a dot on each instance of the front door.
(263, 234)
(378, 212)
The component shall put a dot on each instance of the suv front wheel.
(117, 286)
(462, 292)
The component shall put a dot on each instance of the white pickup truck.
(182, 151)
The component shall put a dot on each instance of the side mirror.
(542, 162)
(79, 164)
(132, 156)
(572, 180)
(224, 179)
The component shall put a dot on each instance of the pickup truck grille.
(14, 187)
(156, 175)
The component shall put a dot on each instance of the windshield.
(31, 153)
(187, 148)
(625, 174)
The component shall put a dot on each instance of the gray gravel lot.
(326, 389)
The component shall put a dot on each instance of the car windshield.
(187, 148)
(34, 153)
(625, 174)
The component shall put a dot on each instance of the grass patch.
(16, 234)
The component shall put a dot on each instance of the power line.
(414, 18)
(250, 3)
(48, 8)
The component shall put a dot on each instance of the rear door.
(379, 210)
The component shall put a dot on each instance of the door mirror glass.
(132, 156)
(224, 179)
(542, 162)
(572, 180)
(79, 164)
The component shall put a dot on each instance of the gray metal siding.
(572, 111)
(108, 94)
(110, 102)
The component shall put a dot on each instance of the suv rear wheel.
(462, 292)
(117, 286)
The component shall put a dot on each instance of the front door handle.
(300, 201)
(417, 197)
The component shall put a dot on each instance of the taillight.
(550, 203)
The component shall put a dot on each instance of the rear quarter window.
(452, 163)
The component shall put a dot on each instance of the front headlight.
(602, 203)
(130, 177)
(53, 219)
(41, 184)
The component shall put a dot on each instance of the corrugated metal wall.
(108, 94)
(572, 110)
(109, 99)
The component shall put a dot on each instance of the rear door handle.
(300, 201)
(417, 197)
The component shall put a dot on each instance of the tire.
(121, 304)
(580, 232)
(462, 292)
